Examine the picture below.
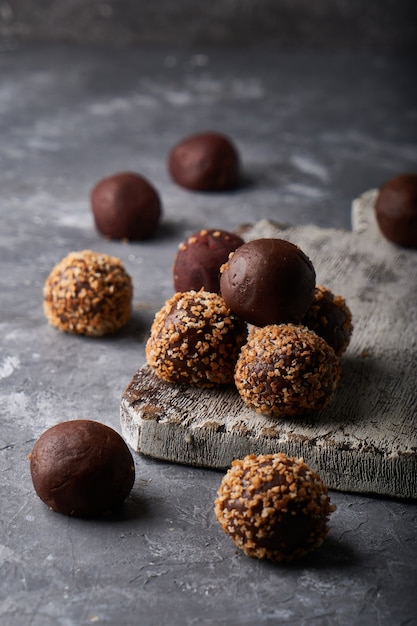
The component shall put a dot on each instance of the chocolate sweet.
(199, 258)
(205, 162)
(88, 293)
(126, 206)
(330, 317)
(273, 507)
(396, 210)
(195, 340)
(286, 370)
(268, 281)
(82, 468)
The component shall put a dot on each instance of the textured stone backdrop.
(341, 23)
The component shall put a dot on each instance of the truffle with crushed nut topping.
(286, 370)
(199, 258)
(268, 281)
(88, 293)
(330, 317)
(82, 468)
(273, 507)
(195, 340)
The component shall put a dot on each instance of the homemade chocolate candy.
(286, 370)
(126, 206)
(268, 281)
(195, 340)
(396, 210)
(199, 258)
(88, 293)
(205, 161)
(273, 507)
(330, 317)
(82, 468)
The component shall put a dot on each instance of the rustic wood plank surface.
(365, 441)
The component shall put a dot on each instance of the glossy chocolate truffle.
(396, 210)
(88, 293)
(273, 507)
(330, 317)
(82, 468)
(195, 340)
(126, 206)
(199, 258)
(286, 370)
(205, 162)
(268, 281)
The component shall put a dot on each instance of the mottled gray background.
(321, 100)
(332, 23)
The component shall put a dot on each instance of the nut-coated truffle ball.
(88, 293)
(82, 468)
(396, 210)
(206, 161)
(199, 258)
(273, 507)
(330, 317)
(286, 370)
(126, 206)
(268, 281)
(195, 340)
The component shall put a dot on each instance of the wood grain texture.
(365, 441)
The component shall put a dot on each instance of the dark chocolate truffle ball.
(286, 370)
(82, 468)
(205, 162)
(273, 507)
(88, 293)
(125, 206)
(330, 317)
(199, 258)
(396, 210)
(195, 340)
(268, 281)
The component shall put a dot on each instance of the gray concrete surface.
(351, 24)
(315, 131)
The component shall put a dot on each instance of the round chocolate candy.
(82, 468)
(268, 281)
(126, 206)
(88, 293)
(199, 258)
(205, 161)
(286, 370)
(330, 317)
(195, 340)
(273, 507)
(396, 210)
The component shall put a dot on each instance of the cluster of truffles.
(287, 364)
(89, 293)
(244, 314)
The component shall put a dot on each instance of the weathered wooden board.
(366, 440)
